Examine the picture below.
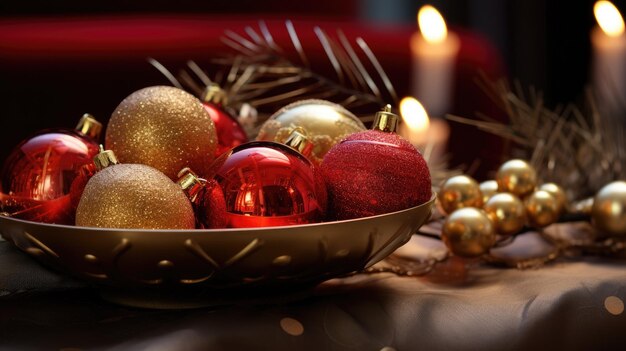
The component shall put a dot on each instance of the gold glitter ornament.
(458, 192)
(468, 232)
(516, 177)
(163, 127)
(325, 123)
(609, 209)
(507, 213)
(558, 193)
(488, 188)
(134, 196)
(542, 209)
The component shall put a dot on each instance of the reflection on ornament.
(458, 192)
(325, 122)
(507, 213)
(134, 196)
(558, 193)
(163, 127)
(375, 172)
(516, 177)
(488, 188)
(609, 209)
(269, 184)
(542, 209)
(468, 232)
(38, 174)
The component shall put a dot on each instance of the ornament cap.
(104, 159)
(299, 141)
(89, 126)
(385, 120)
(214, 94)
(190, 183)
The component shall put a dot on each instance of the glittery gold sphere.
(542, 209)
(163, 127)
(558, 193)
(458, 192)
(468, 232)
(325, 123)
(609, 209)
(516, 177)
(507, 213)
(488, 188)
(134, 196)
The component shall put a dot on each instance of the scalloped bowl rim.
(220, 230)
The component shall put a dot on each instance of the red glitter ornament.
(269, 184)
(229, 131)
(375, 172)
(207, 199)
(38, 174)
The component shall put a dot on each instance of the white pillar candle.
(609, 58)
(434, 51)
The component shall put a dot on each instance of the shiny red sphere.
(229, 131)
(374, 172)
(269, 184)
(38, 174)
(210, 207)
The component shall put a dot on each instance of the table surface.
(574, 304)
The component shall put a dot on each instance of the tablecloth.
(574, 304)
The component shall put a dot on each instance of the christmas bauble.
(134, 196)
(558, 193)
(488, 188)
(103, 159)
(268, 184)
(325, 122)
(163, 127)
(516, 177)
(375, 172)
(460, 191)
(207, 199)
(609, 209)
(507, 213)
(229, 132)
(468, 232)
(42, 168)
(542, 209)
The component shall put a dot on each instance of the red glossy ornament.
(375, 172)
(269, 184)
(229, 132)
(37, 176)
(79, 183)
(103, 159)
(207, 199)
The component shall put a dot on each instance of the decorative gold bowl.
(185, 268)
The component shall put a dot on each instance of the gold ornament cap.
(190, 183)
(214, 94)
(299, 141)
(89, 126)
(104, 159)
(385, 120)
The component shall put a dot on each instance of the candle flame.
(609, 18)
(431, 24)
(414, 115)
